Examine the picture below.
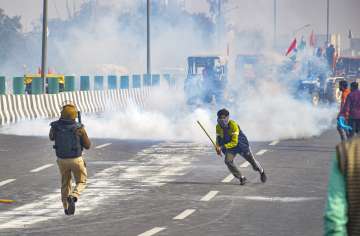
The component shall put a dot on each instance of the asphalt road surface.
(146, 188)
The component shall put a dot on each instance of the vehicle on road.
(206, 79)
(28, 78)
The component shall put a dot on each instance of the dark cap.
(343, 84)
(223, 112)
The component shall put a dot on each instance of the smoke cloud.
(115, 35)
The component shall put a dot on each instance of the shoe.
(66, 212)
(263, 177)
(242, 180)
(71, 205)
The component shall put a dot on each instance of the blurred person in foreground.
(342, 213)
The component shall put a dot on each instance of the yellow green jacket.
(230, 139)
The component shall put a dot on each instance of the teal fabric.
(335, 218)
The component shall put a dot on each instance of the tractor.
(206, 80)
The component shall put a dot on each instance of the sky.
(291, 14)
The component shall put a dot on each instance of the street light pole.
(148, 37)
(44, 44)
(275, 23)
(327, 20)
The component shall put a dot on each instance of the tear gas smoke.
(266, 112)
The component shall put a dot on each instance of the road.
(140, 187)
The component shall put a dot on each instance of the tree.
(10, 33)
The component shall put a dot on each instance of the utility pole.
(219, 22)
(148, 71)
(327, 20)
(44, 45)
(275, 15)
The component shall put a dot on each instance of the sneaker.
(263, 177)
(71, 205)
(242, 180)
(66, 212)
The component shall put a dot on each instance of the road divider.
(14, 108)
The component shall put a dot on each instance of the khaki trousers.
(76, 166)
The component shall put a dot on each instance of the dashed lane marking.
(41, 168)
(209, 196)
(273, 143)
(261, 152)
(102, 145)
(152, 231)
(149, 168)
(184, 214)
(245, 164)
(228, 179)
(7, 181)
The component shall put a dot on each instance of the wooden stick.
(7, 201)
(207, 134)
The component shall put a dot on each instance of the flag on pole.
(292, 47)
(312, 40)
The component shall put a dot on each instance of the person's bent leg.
(255, 164)
(229, 161)
(80, 174)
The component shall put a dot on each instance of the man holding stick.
(230, 140)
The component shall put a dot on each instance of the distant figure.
(230, 140)
(330, 53)
(345, 91)
(352, 107)
(342, 213)
(319, 52)
(70, 138)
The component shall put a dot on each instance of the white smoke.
(267, 112)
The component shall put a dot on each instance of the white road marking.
(102, 145)
(209, 196)
(150, 167)
(152, 231)
(273, 143)
(41, 168)
(2, 183)
(245, 164)
(281, 199)
(228, 179)
(184, 214)
(261, 152)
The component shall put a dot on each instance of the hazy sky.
(250, 14)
